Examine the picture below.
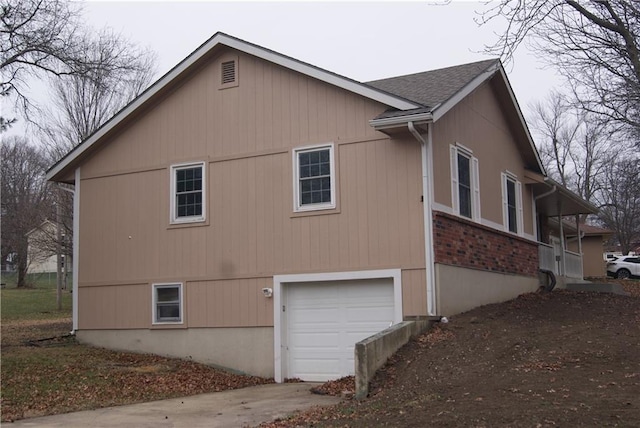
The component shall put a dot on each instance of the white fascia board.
(391, 122)
(522, 121)
(441, 109)
(317, 73)
(220, 38)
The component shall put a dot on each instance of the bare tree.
(574, 147)
(620, 201)
(594, 43)
(82, 103)
(26, 201)
(46, 38)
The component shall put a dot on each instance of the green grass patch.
(33, 304)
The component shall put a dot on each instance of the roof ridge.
(466, 64)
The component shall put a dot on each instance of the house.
(40, 255)
(591, 246)
(256, 212)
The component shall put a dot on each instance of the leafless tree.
(26, 200)
(46, 38)
(82, 103)
(595, 44)
(573, 146)
(620, 201)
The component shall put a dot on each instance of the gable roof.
(416, 97)
(432, 88)
(58, 171)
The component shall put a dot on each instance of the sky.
(360, 40)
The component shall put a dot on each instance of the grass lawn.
(46, 371)
(34, 303)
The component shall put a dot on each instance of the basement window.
(167, 303)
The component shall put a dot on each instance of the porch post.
(580, 246)
(563, 268)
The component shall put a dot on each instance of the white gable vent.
(228, 72)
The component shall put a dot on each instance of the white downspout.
(76, 249)
(425, 148)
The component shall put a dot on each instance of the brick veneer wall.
(461, 242)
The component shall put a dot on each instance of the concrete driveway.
(236, 408)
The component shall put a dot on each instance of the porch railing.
(573, 265)
(547, 258)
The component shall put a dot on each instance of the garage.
(322, 321)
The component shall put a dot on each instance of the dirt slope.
(542, 360)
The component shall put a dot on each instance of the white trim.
(474, 181)
(241, 45)
(154, 308)
(437, 206)
(401, 121)
(279, 281)
(297, 206)
(523, 122)
(173, 215)
(76, 248)
(427, 187)
(441, 109)
(504, 177)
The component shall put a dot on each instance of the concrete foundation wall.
(460, 289)
(245, 350)
(373, 352)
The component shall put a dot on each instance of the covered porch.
(558, 213)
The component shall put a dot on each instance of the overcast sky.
(360, 40)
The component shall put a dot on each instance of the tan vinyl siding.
(118, 307)
(478, 122)
(414, 292)
(229, 303)
(245, 135)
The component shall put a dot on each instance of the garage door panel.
(325, 320)
(313, 315)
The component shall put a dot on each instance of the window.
(512, 204)
(167, 303)
(314, 178)
(465, 183)
(188, 193)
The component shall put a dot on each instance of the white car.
(624, 267)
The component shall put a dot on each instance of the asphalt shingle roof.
(431, 88)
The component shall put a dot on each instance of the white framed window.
(314, 178)
(512, 212)
(465, 182)
(188, 192)
(167, 303)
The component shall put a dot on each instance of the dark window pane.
(189, 192)
(511, 206)
(324, 156)
(465, 201)
(168, 294)
(326, 183)
(314, 157)
(168, 312)
(303, 158)
(464, 174)
(314, 174)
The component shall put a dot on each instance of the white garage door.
(324, 320)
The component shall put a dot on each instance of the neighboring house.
(591, 246)
(41, 258)
(253, 211)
